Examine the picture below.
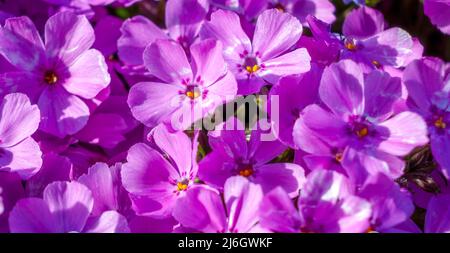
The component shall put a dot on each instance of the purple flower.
(233, 155)
(438, 11)
(18, 121)
(267, 57)
(156, 177)
(187, 91)
(203, 210)
(183, 20)
(428, 88)
(65, 207)
(321, 9)
(58, 75)
(359, 125)
(327, 204)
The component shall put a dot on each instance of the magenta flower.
(359, 122)
(58, 75)
(390, 47)
(438, 11)
(18, 121)
(233, 155)
(156, 177)
(428, 88)
(268, 56)
(203, 210)
(327, 204)
(187, 91)
(65, 207)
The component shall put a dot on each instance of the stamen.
(246, 171)
(439, 123)
(50, 77)
(251, 65)
(252, 69)
(182, 185)
(192, 92)
(376, 64)
(350, 45)
(363, 132)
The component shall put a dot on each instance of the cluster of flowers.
(91, 138)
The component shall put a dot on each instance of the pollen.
(182, 186)
(376, 64)
(193, 92)
(350, 45)
(363, 132)
(246, 171)
(338, 157)
(439, 123)
(50, 77)
(252, 69)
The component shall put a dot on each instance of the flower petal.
(153, 103)
(67, 36)
(341, 88)
(23, 158)
(137, 33)
(70, 203)
(18, 119)
(275, 33)
(201, 209)
(32, 215)
(88, 75)
(61, 112)
(107, 222)
(234, 39)
(166, 60)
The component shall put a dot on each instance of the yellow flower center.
(182, 186)
(50, 77)
(439, 123)
(252, 69)
(363, 132)
(350, 45)
(246, 171)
